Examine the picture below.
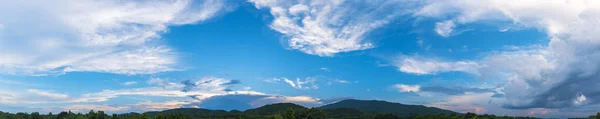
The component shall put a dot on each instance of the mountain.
(274, 108)
(340, 113)
(375, 106)
(188, 111)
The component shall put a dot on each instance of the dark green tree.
(35, 115)
(62, 115)
(276, 116)
(101, 115)
(312, 113)
(289, 114)
(159, 116)
(91, 114)
(386, 116)
(144, 116)
(470, 115)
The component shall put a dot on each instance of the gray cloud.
(232, 82)
(189, 85)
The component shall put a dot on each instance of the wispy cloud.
(301, 84)
(129, 83)
(444, 28)
(325, 28)
(407, 88)
(95, 36)
(422, 66)
(325, 69)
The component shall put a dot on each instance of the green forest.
(347, 109)
(312, 113)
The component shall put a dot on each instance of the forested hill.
(347, 109)
(375, 106)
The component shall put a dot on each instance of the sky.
(505, 57)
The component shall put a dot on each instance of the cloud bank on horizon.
(448, 54)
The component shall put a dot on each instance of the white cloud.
(30, 96)
(420, 42)
(325, 28)
(47, 94)
(129, 83)
(341, 81)
(444, 28)
(325, 69)
(93, 36)
(540, 14)
(299, 84)
(271, 80)
(206, 91)
(528, 62)
(289, 82)
(407, 88)
(581, 99)
(422, 66)
(569, 60)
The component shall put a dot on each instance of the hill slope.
(374, 106)
(188, 111)
(274, 108)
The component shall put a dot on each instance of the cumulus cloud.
(560, 75)
(325, 28)
(94, 36)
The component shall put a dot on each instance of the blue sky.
(535, 58)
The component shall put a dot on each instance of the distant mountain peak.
(378, 106)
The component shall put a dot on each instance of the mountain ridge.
(378, 106)
(344, 106)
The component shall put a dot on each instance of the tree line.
(311, 113)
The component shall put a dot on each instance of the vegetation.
(374, 106)
(312, 113)
(353, 109)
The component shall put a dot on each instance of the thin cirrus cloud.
(298, 83)
(440, 89)
(325, 28)
(94, 36)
